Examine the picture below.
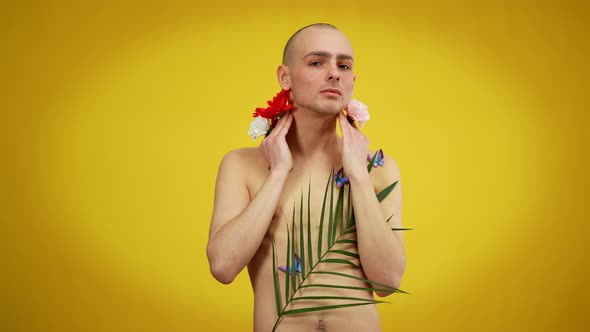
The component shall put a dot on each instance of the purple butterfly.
(297, 266)
(378, 160)
(340, 178)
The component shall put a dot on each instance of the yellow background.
(115, 117)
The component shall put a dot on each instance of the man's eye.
(314, 63)
(343, 66)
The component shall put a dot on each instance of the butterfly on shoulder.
(378, 160)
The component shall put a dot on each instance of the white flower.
(358, 111)
(258, 127)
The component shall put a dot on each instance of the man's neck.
(312, 137)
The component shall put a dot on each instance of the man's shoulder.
(242, 166)
(386, 174)
(242, 157)
(241, 153)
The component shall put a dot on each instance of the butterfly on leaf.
(297, 266)
(340, 178)
(378, 159)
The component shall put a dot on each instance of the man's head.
(318, 69)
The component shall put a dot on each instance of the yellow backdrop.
(115, 117)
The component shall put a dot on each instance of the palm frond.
(275, 279)
(331, 216)
(326, 307)
(347, 241)
(341, 216)
(287, 275)
(345, 253)
(321, 229)
(333, 298)
(301, 243)
(338, 261)
(293, 273)
(309, 249)
(381, 195)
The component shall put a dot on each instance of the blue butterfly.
(340, 178)
(297, 266)
(378, 160)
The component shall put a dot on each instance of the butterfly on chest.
(284, 269)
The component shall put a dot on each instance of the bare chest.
(313, 223)
(309, 245)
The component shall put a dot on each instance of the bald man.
(257, 188)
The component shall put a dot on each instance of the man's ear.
(283, 77)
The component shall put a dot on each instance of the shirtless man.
(257, 189)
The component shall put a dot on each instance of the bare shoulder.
(232, 194)
(242, 167)
(385, 175)
(241, 155)
(241, 159)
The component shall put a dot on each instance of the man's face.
(321, 70)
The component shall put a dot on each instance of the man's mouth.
(332, 91)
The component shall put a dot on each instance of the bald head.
(288, 51)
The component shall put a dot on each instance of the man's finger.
(286, 125)
(351, 121)
(279, 125)
(344, 125)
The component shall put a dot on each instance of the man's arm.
(238, 225)
(380, 249)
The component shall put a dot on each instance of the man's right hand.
(275, 148)
(240, 221)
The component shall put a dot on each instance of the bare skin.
(257, 189)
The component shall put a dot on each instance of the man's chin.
(327, 111)
(330, 108)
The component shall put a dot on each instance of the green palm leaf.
(338, 261)
(372, 162)
(321, 229)
(309, 252)
(350, 217)
(381, 196)
(347, 287)
(334, 298)
(347, 241)
(349, 231)
(326, 307)
(331, 216)
(275, 279)
(293, 274)
(345, 253)
(389, 288)
(337, 218)
(287, 278)
(301, 245)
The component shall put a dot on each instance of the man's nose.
(333, 74)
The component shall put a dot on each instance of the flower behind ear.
(358, 111)
(267, 118)
(279, 104)
(258, 127)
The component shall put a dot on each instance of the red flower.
(278, 105)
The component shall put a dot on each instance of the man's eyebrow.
(329, 55)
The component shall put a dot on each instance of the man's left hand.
(355, 148)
